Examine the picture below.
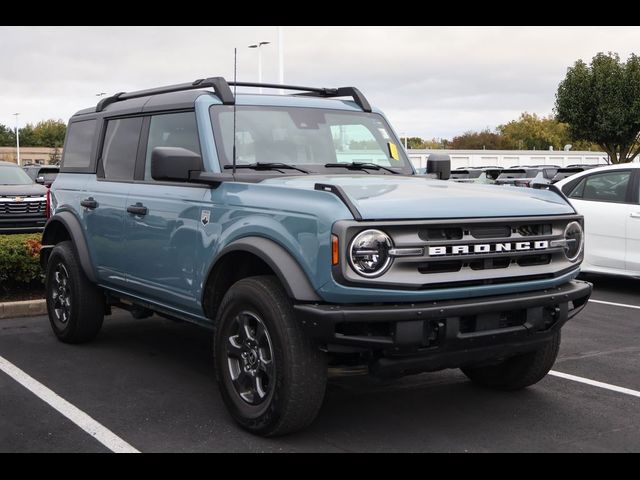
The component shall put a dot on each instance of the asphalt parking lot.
(149, 383)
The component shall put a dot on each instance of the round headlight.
(574, 238)
(369, 253)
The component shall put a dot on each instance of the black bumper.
(446, 334)
(22, 224)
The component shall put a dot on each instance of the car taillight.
(47, 210)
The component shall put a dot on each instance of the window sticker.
(393, 151)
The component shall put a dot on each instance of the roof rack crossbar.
(221, 88)
(357, 95)
(219, 85)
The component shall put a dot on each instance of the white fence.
(508, 158)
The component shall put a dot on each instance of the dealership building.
(31, 155)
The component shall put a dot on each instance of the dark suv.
(42, 174)
(294, 227)
(23, 203)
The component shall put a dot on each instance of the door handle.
(137, 209)
(635, 215)
(89, 203)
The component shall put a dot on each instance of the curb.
(23, 309)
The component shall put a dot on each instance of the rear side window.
(77, 149)
(120, 148)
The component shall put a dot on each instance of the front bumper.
(445, 334)
(22, 224)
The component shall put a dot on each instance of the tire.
(74, 304)
(273, 378)
(517, 372)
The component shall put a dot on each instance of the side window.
(77, 150)
(171, 130)
(603, 187)
(120, 148)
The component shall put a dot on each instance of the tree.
(7, 136)
(483, 140)
(530, 132)
(49, 133)
(601, 103)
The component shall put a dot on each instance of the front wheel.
(517, 372)
(271, 375)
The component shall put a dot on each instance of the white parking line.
(594, 383)
(98, 431)
(591, 300)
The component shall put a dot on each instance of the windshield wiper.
(267, 166)
(360, 166)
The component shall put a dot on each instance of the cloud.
(431, 81)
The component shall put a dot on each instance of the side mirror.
(40, 180)
(439, 164)
(174, 164)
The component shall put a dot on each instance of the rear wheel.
(271, 375)
(517, 372)
(74, 304)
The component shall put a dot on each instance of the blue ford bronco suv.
(295, 228)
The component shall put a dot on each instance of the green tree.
(28, 137)
(530, 132)
(49, 133)
(483, 140)
(414, 142)
(7, 136)
(601, 104)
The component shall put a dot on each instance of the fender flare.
(72, 225)
(286, 268)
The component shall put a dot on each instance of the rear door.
(161, 242)
(603, 199)
(106, 199)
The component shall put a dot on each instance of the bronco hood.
(391, 197)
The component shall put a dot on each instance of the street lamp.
(258, 45)
(17, 139)
(100, 94)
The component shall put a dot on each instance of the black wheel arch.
(66, 226)
(274, 259)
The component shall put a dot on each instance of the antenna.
(235, 73)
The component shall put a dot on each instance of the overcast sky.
(430, 81)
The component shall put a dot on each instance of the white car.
(608, 197)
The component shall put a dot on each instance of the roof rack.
(222, 90)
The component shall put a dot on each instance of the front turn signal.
(334, 250)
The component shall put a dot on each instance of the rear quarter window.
(78, 147)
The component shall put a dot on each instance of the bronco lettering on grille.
(488, 248)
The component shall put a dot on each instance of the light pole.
(404, 134)
(280, 57)
(258, 46)
(17, 139)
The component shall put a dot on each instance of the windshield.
(306, 137)
(14, 175)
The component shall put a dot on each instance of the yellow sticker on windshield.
(393, 151)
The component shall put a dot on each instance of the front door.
(633, 229)
(162, 229)
(602, 199)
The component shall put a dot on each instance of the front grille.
(466, 252)
(23, 208)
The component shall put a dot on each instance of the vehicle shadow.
(169, 374)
